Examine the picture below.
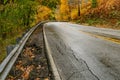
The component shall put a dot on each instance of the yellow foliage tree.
(74, 14)
(103, 9)
(64, 10)
(43, 13)
(84, 7)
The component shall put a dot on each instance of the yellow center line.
(117, 41)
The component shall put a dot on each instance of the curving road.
(80, 54)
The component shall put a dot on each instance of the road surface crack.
(90, 70)
(73, 53)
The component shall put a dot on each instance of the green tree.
(94, 3)
(15, 17)
(50, 3)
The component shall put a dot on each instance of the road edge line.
(49, 54)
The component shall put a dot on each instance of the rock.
(18, 39)
(9, 48)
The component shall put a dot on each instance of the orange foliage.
(105, 7)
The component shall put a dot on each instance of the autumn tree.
(43, 13)
(64, 10)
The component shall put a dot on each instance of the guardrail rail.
(9, 61)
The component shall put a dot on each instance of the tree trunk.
(78, 7)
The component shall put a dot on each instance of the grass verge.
(8, 41)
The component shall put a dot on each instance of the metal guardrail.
(9, 61)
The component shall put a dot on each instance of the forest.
(16, 16)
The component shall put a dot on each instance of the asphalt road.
(80, 56)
